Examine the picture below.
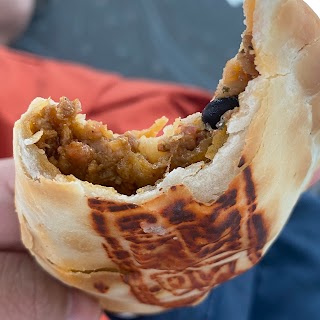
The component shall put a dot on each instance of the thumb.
(316, 177)
(27, 292)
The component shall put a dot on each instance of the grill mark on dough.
(199, 234)
(250, 187)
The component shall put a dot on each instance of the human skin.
(15, 16)
(316, 178)
(26, 291)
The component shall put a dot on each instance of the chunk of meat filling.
(91, 152)
(191, 149)
(238, 71)
(236, 76)
(246, 56)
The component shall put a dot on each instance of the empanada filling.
(135, 159)
(127, 162)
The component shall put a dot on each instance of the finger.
(27, 292)
(316, 178)
(9, 226)
(83, 307)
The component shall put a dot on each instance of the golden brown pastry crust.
(168, 246)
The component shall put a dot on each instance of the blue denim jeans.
(284, 285)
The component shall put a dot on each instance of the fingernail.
(82, 307)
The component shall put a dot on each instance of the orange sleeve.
(121, 103)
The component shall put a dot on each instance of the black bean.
(213, 112)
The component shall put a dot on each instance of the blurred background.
(185, 41)
(182, 41)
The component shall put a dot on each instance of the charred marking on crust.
(229, 273)
(95, 203)
(254, 256)
(257, 231)
(205, 276)
(105, 248)
(132, 223)
(99, 222)
(241, 162)
(122, 207)
(211, 234)
(233, 220)
(230, 222)
(113, 242)
(250, 188)
(258, 236)
(198, 236)
(124, 264)
(228, 199)
(169, 255)
(144, 241)
(176, 213)
(194, 281)
(252, 208)
(232, 266)
(260, 230)
(155, 289)
(121, 254)
(224, 257)
(150, 246)
(176, 281)
(101, 287)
